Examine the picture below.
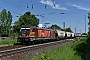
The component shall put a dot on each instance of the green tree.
(5, 22)
(54, 27)
(68, 29)
(9, 22)
(89, 21)
(27, 19)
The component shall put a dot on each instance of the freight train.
(36, 34)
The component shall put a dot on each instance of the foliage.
(80, 47)
(88, 44)
(68, 29)
(89, 21)
(7, 42)
(14, 35)
(88, 37)
(55, 27)
(73, 51)
(27, 19)
(5, 22)
(88, 40)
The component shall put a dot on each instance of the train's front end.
(24, 34)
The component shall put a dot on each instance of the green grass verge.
(7, 42)
(73, 51)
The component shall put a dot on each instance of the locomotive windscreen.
(24, 31)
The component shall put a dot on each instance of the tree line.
(5, 22)
(27, 19)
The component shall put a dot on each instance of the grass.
(73, 51)
(7, 42)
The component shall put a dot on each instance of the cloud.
(53, 4)
(79, 6)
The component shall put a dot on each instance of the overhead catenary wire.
(52, 20)
(14, 5)
(45, 6)
(12, 11)
(28, 7)
(24, 6)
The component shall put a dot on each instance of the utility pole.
(64, 25)
(75, 30)
(64, 29)
(80, 31)
(85, 23)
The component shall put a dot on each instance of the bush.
(88, 44)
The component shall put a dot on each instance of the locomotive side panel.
(43, 33)
(39, 33)
(32, 34)
(47, 33)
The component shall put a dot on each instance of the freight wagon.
(60, 34)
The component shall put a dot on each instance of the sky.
(50, 11)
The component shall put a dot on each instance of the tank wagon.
(64, 34)
(60, 34)
(70, 35)
(36, 34)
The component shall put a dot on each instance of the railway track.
(30, 49)
(11, 47)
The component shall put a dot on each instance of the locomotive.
(36, 34)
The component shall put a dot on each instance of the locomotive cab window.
(25, 29)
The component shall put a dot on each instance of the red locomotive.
(33, 34)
